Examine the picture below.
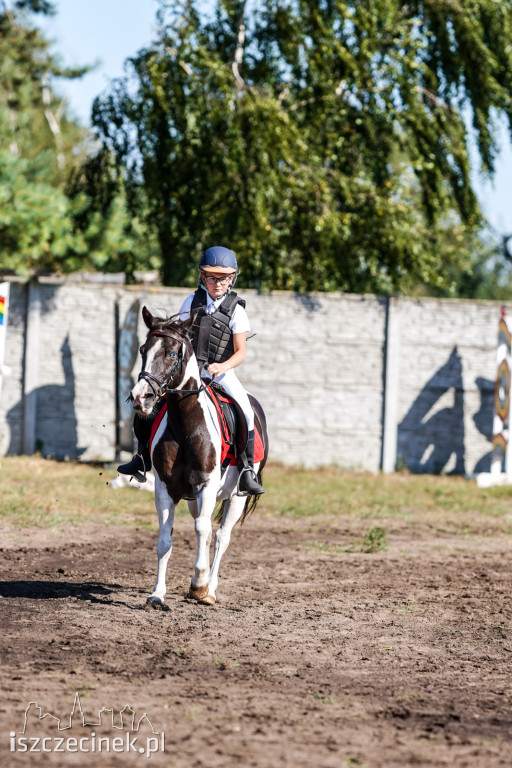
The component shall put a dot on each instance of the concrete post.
(30, 381)
(391, 386)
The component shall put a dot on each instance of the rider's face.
(217, 283)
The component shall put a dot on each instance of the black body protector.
(212, 338)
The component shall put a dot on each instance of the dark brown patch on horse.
(185, 456)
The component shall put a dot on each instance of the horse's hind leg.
(233, 509)
(165, 508)
(202, 512)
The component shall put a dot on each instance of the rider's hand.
(216, 369)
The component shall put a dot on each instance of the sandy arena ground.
(312, 657)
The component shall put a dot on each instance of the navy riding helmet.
(220, 257)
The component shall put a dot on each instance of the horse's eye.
(171, 354)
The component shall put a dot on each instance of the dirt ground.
(312, 657)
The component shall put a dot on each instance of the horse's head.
(166, 354)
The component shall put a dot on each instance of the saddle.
(232, 424)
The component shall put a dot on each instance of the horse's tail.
(250, 505)
(252, 501)
(261, 426)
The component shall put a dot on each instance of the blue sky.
(109, 31)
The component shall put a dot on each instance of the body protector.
(212, 337)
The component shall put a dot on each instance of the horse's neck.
(189, 411)
(191, 377)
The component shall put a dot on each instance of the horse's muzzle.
(143, 404)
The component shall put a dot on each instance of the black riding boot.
(248, 481)
(138, 466)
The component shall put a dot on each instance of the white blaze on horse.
(186, 453)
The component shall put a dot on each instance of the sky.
(109, 31)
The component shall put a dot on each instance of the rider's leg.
(140, 463)
(248, 478)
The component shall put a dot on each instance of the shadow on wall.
(56, 434)
(483, 420)
(431, 436)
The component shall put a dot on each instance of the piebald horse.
(186, 454)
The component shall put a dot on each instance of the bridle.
(162, 387)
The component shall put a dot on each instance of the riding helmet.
(218, 259)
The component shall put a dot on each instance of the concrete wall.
(360, 382)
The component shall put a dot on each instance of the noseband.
(162, 384)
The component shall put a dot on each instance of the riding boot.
(248, 481)
(138, 466)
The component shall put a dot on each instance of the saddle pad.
(227, 455)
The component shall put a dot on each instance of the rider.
(220, 332)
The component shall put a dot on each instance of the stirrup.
(254, 488)
(136, 468)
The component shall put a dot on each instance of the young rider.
(220, 333)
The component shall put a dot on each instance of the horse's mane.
(173, 323)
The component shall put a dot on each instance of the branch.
(432, 97)
(239, 52)
(506, 248)
(338, 91)
(54, 122)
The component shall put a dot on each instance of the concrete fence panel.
(359, 382)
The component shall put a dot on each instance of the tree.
(36, 145)
(53, 215)
(324, 141)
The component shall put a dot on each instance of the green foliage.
(323, 141)
(62, 203)
(34, 224)
(107, 239)
(485, 275)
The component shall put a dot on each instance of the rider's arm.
(238, 357)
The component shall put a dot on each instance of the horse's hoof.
(198, 593)
(207, 600)
(155, 603)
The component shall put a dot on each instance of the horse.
(186, 453)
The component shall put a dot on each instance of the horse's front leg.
(165, 508)
(205, 501)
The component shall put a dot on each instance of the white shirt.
(238, 323)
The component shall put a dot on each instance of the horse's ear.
(148, 317)
(187, 324)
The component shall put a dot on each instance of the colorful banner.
(501, 461)
(4, 308)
